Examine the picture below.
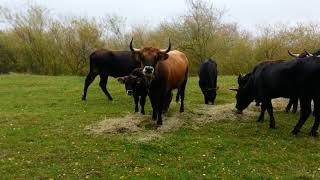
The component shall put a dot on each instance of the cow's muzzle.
(148, 70)
(130, 92)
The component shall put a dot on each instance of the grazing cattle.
(291, 79)
(107, 63)
(170, 71)
(242, 80)
(208, 80)
(136, 85)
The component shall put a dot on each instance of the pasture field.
(43, 135)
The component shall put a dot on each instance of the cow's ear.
(162, 56)
(121, 80)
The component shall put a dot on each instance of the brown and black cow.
(169, 70)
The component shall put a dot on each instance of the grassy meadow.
(42, 135)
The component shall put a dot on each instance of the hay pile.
(142, 128)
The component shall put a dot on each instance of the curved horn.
(168, 49)
(293, 55)
(308, 54)
(131, 48)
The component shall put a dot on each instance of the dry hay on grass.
(228, 112)
(139, 127)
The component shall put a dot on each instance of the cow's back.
(208, 74)
(173, 70)
(114, 63)
(276, 79)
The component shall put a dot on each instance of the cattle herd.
(156, 72)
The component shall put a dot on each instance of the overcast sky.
(247, 13)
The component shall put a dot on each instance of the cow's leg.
(142, 103)
(136, 103)
(167, 102)
(263, 110)
(154, 107)
(178, 95)
(182, 93)
(161, 103)
(295, 105)
(305, 105)
(289, 105)
(206, 100)
(103, 85)
(89, 79)
(270, 112)
(316, 113)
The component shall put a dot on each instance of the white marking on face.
(148, 68)
(129, 92)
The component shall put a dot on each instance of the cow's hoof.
(313, 133)
(260, 120)
(181, 110)
(83, 98)
(272, 126)
(142, 112)
(238, 112)
(295, 132)
(154, 117)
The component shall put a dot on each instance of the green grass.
(42, 135)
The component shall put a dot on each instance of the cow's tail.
(91, 61)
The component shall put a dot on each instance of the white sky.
(247, 13)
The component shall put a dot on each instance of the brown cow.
(170, 71)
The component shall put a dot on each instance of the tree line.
(37, 41)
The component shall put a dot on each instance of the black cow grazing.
(242, 80)
(107, 63)
(170, 71)
(208, 80)
(136, 85)
(298, 78)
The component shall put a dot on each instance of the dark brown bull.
(170, 71)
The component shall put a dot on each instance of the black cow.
(243, 79)
(208, 80)
(137, 86)
(294, 102)
(291, 79)
(107, 63)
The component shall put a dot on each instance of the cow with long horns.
(169, 70)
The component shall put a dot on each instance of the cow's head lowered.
(149, 57)
(244, 93)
